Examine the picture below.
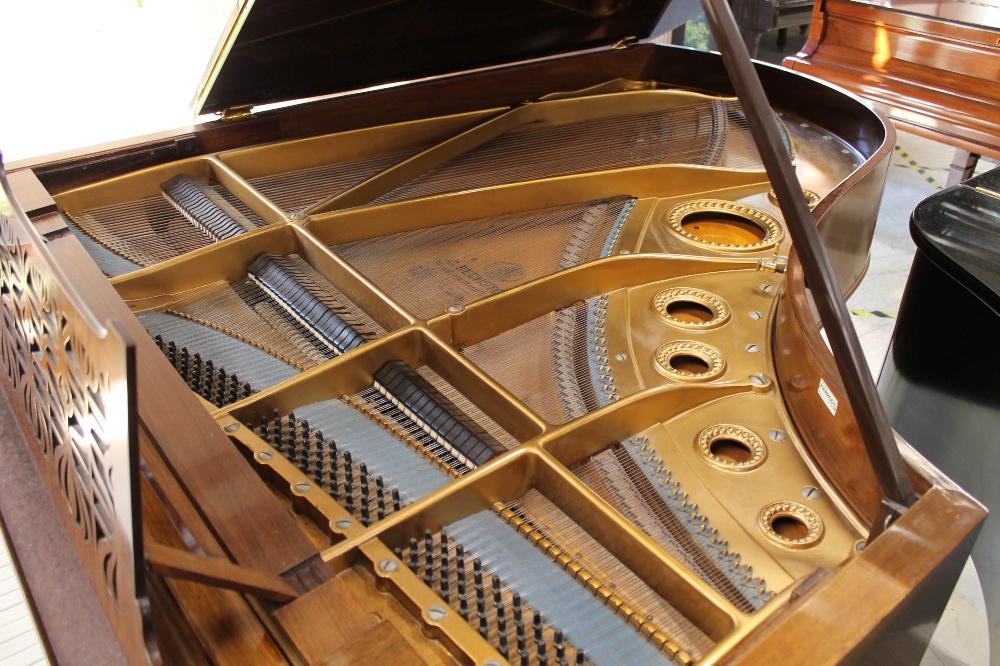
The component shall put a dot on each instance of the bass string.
(297, 190)
(683, 135)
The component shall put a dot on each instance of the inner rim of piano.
(535, 334)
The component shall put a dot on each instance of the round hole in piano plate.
(724, 225)
(731, 447)
(689, 361)
(690, 312)
(691, 308)
(789, 528)
(723, 229)
(730, 451)
(791, 525)
(689, 364)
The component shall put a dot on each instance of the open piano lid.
(279, 50)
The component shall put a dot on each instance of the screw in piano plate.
(436, 613)
(387, 566)
(232, 427)
(766, 288)
(760, 380)
(455, 309)
(752, 348)
(809, 492)
(264, 456)
(343, 523)
(303, 487)
(756, 316)
(621, 357)
(777, 435)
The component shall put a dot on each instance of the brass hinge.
(625, 43)
(775, 265)
(238, 112)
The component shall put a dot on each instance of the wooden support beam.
(218, 572)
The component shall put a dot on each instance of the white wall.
(80, 72)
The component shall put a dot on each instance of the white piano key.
(20, 642)
(11, 598)
(29, 657)
(10, 647)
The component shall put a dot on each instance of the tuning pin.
(560, 646)
(460, 570)
(581, 658)
(365, 510)
(516, 607)
(414, 556)
(536, 625)
(428, 557)
(463, 607)
(397, 503)
(477, 580)
(379, 500)
(484, 627)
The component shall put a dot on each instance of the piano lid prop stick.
(872, 420)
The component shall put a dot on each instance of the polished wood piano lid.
(279, 50)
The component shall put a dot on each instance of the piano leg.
(963, 165)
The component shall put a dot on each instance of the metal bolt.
(752, 348)
(766, 288)
(343, 523)
(302, 487)
(296, 216)
(811, 493)
(620, 357)
(232, 427)
(264, 456)
(760, 380)
(491, 662)
(859, 547)
(387, 566)
(623, 252)
(436, 613)
(777, 435)
(756, 316)
(455, 309)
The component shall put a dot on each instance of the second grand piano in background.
(933, 67)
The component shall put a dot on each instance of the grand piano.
(932, 67)
(517, 364)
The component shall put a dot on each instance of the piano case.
(465, 359)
